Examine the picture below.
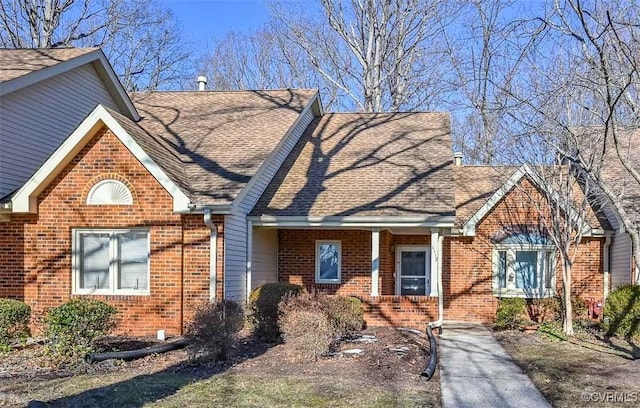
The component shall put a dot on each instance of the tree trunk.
(567, 320)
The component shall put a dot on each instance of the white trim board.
(25, 200)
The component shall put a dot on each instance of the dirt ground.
(256, 375)
(587, 370)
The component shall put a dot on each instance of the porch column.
(375, 261)
(435, 260)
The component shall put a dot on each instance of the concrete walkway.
(475, 371)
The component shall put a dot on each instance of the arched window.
(110, 191)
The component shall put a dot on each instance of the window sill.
(334, 282)
(111, 293)
(533, 294)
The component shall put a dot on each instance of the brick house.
(155, 202)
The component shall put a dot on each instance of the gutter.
(213, 254)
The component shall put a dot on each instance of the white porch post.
(375, 261)
(249, 260)
(435, 260)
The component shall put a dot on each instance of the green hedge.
(14, 322)
(622, 312)
(72, 328)
(510, 314)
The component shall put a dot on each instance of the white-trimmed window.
(111, 262)
(328, 261)
(109, 192)
(524, 267)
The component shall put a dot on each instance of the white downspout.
(213, 254)
(438, 323)
(607, 266)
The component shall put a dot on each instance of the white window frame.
(113, 264)
(338, 243)
(540, 291)
(430, 287)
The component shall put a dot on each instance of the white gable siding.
(235, 231)
(35, 120)
(264, 257)
(620, 259)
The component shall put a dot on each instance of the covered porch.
(392, 269)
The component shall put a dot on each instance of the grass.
(577, 372)
(179, 390)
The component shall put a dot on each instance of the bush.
(345, 314)
(72, 328)
(622, 312)
(14, 322)
(308, 332)
(510, 314)
(263, 308)
(214, 327)
(314, 322)
(544, 310)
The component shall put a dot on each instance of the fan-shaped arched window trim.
(110, 192)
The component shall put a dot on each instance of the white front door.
(413, 270)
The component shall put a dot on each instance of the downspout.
(433, 345)
(607, 266)
(213, 254)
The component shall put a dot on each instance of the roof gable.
(20, 68)
(524, 171)
(25, 200)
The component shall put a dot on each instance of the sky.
(202, 19)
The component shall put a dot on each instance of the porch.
(393, 270)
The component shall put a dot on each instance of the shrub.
(72, 328)
(14, 322)
(308, 332)
(622, 312)
(214, 327)
(345, 314)
(263, 308)
(544, 310)
(510, 314)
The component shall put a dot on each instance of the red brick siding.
(179, 243)
(467, 268)
(296, 263)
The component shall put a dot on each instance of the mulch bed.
(377, 364)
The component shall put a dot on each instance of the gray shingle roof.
(358, 164)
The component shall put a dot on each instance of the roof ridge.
(223, 91)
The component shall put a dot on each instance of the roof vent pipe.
(202, 82)
(457, 158)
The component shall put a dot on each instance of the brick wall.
(467, 268)
(179, 243)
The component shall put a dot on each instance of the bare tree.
(380, 55)
(261, 59)
(141, 39)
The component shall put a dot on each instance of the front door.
(413, 270)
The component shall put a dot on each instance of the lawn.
(581, 371)
(257, 377)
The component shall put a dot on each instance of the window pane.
(548, 270)
(414, 263)
(502, 269)
(525, 269)
(329, 261)
(413, 286)
(94, 261)
(133, 261)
